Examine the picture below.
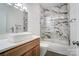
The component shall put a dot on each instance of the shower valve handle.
(76, 42)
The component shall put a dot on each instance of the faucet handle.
(75, 42)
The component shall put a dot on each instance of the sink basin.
(18, 37)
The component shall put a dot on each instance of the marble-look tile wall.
(54, 23)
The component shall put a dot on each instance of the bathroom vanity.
(28, 48)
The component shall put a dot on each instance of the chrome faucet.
(12, 29)
(17, 28)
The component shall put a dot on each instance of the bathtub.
(59, 48)
(43, 48)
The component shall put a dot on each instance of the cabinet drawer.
(20, 50)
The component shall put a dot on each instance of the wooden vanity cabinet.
(31, 48)
(33, 52)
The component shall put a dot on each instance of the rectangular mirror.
(13, 18)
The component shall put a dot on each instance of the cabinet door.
(29, 53)
(36, 51)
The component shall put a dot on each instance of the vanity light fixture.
(19, 6)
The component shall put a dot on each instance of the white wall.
(34, 18)
(74, 12)
(74, 27)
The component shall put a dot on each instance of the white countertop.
(12, 45)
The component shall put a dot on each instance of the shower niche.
(54, 23)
